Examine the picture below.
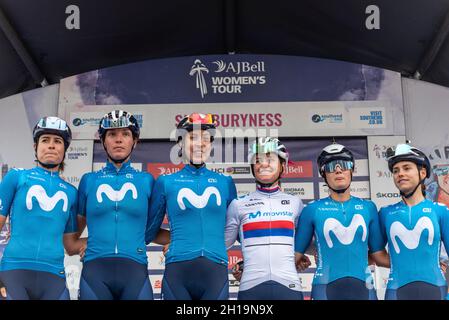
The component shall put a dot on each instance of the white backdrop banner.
(383, 190)
(20, 114)
(427, 128)
(78, 161)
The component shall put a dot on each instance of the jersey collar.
(47, 172)
(126, 166)
(268, 190)
(194, 171)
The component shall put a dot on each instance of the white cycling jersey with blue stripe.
(265, 224)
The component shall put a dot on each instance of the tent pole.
(435, 47)
(24, 55)
(230, 26)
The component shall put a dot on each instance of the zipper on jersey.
(269, 246)
(116, 220)
(343, 210)
(201, 217)
(409, 215)
(50, 191)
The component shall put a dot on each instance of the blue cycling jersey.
(115, 204)
(196, 201)
(414, 237)
(42, 208)
(344, 233)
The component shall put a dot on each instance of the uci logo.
(129, 176)
(285, 202)
(427, 210)
(358, 207)
(212, 180)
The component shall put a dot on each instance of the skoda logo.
(316, 118)
(77, 122)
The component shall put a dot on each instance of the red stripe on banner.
(280, 224)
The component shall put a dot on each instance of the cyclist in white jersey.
(264, 222)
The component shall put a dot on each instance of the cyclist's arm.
(73, 244)
(71, 239)
(381, 258)
(304, 230)
(376, 241)
(157, 210)
(162, 237)
(232, 224)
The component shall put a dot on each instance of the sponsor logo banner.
(321, 117)
(236, 171)
(157, 169)
(299, 169)
(233, 257)
(303, 190)
(367, 118)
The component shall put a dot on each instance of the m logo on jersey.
(344, 234)
(45, 202)
(198, 201)
(115, 195)
(411, 238)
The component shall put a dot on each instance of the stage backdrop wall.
(300, 98)
(305, 101)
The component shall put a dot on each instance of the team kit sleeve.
(232, 224)
(150, 192)
(158, 207)
(72, 224)
(232, 191)
(375, 238)
(8, 189)
(444, 224)
(300, 208)
(305, 228)
(82, 195)
(382, 227)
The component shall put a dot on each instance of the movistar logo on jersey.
(116, 195)
(198, 201)
(411, 238)
(344, 234)
(259, 214)
(45, 202)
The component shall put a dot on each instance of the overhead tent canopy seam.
(37, 49)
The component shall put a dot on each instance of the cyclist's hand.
(2, 290)
(165, 249)
(237, 270)
(302, 263)
(443, 266)
(83, 247)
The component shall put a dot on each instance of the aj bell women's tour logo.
(228, 77)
